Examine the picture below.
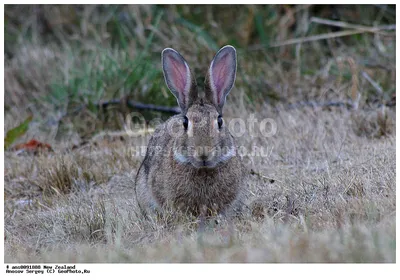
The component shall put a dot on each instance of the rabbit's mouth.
(197, 163)
(204, 163)
(210, 160)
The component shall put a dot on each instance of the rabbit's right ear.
(178, 78)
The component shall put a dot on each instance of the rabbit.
(191, 162)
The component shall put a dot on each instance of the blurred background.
(82, 68)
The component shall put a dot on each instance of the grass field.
(321, 189)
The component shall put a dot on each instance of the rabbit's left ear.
(221, 76)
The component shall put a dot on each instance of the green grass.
(114, 50)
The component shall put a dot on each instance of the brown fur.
(163, 180)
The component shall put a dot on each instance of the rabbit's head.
(201, 137)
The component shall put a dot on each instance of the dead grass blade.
(318, 37)
(377, 29)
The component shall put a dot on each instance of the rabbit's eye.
(219, 121)
(185, 122)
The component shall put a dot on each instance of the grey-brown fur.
(173, 174)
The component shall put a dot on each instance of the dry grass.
(330, 197)
(323, 191)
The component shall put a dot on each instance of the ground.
(317, 193)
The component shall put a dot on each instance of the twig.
(271, 180)
(377, 29)
(129, 103)
(372, 82)
(140, 106)
(308, 39)
(313, 38)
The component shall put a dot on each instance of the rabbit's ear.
(221, 76)
(178, 77)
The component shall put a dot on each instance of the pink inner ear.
(221, 75)
(177, 74)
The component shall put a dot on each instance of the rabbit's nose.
(203, 153)
(203, 157)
